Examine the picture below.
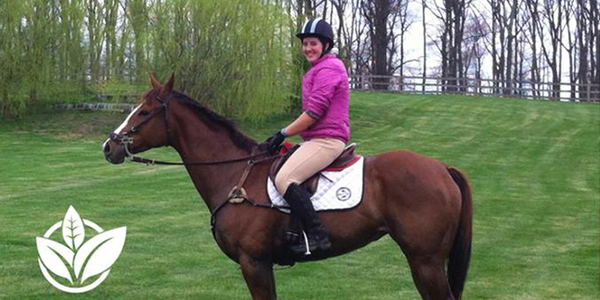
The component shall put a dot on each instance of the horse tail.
(460, 254)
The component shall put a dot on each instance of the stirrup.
(303, 248)
(306, 244)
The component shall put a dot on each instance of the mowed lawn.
(533, 166)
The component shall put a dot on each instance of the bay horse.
(423, 204)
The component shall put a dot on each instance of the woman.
(324, 126)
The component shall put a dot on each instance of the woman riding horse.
(424, 205)
(324, 126)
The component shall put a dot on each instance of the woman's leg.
(312, 157)
(309, 159)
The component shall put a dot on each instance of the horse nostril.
(106, 148)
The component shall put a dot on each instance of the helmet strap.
(326, 46)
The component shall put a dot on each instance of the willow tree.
(233, 55)
(11, 48)
(228, 54)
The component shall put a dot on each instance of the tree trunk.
(424, 47)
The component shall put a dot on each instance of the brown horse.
(423, 204)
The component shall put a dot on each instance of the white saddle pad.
(336, 190)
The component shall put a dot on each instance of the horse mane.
(213, 118)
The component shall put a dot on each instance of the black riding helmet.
(318, 28)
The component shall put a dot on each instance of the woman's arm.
(300, 124)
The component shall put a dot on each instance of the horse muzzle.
(114, 153)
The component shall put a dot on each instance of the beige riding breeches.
(312, 157)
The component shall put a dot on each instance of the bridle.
(126, 140)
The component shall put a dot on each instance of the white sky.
(414, 42)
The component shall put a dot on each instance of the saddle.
(345, 159)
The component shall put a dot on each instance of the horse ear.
(155, 83)
(169, 85)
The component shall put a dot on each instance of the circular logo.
(78, 259)
(61, 287)
(343, 194)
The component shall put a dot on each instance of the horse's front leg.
(259, 278)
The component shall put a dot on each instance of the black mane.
(239, 139)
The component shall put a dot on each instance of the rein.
(249, 159)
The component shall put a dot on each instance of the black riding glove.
(275, 142)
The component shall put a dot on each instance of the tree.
(401, 22)
(95, 29)
(474, 51)
(424, 23)
(71, 49)
(570, 45)
(386, 21)
(111, 8)
(532, 40)
(552, 15)
(376, 13)
(595, 36)
(452, 15)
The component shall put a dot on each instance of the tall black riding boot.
(301, 206)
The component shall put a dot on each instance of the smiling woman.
(324, 126)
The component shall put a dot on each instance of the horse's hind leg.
(430, 277)
(259, 278)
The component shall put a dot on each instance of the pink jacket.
(326, 97)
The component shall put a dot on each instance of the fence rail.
(482, 87)
(126, 107)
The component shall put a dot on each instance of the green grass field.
(534, 169)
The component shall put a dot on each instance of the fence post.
(589, 83)
(362, 82)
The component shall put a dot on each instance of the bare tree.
(423, 14)
(452, 15)
(595, 36)
(570, 45)
(532, 40)
(376, 13)
(400, 22)
(505, 29)
(474, 50)
(512, 31)
(552, 15)
(342, 42)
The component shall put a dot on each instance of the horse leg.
(259, 278)
(430, 277)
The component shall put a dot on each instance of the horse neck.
(197, 141)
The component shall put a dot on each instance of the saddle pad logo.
(69, 265)
(343, 194)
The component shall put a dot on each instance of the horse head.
(145, 127)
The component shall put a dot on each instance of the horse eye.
(144, 113)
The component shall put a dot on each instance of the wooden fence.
(416, 85)
(481, 87)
